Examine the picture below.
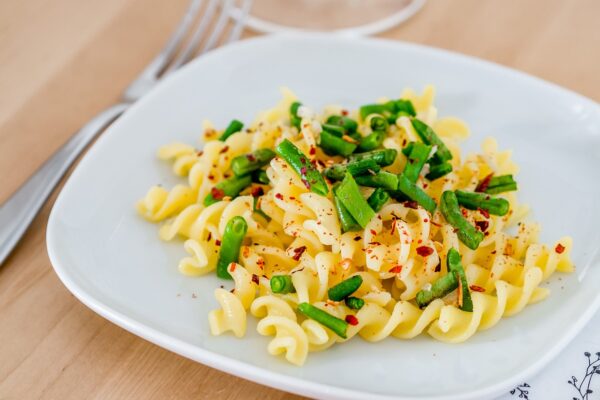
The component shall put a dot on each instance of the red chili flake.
(404, 142)
(375, 243)
(373, 232)
(217, 193)
(224, 150)
(209, 236)
(464, 213)
(476, 288)
(217, 242)
(306, 183)
(344, 112)
(559, 248)
(255, 278)
(411, 204)
(483, 185)
(426, 220)
(298, 251)
(312, 150)
(251, 157)
(483, 212)
(257, 191)
(357, 238)
(232, 267)
(351, 319)
(396, 270)
(303, 170)
(279, 196)
(482, 225)
(438, 267)
(424, 251)
(199, 153)
(303, 160)
(494, 252)
(425, 186)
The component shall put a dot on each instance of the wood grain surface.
(62, 61)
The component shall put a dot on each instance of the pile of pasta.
(295, 232)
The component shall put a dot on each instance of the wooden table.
(63, 61)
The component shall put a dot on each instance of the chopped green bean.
(473, 201)
(509, 187)
(333, 145)
(372, 141)
(345, 288)
(438, 170)
(346, 219)
(464, 294)
(230, 187)
(383, 157)
(408, 148)
(467, 233)
(428, 136)
(235, 230)
(419, 153)
(335, 130)
(350, 196)
(404, 107)
(339, 326)
(386, 110)
(354, 303)
(257, 210)
(260, 176)
(282, 284)
(310, 176)
(378, 198)
(337, 171)
(382, 179)
(244, 164)
(348, 124)
(415, 193)
(501, 180)
(440, 288)
(234, 127)
(295, 120)
(379, 124)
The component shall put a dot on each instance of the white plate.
(113, 261)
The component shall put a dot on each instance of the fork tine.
(219, 26)
(187, 53)
(236, 32)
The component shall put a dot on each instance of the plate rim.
(262, 375)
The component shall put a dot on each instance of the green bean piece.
(235, 230)
(339, 326)
(440, 288)
(382, 179)
(379, 124)
(333, 145)
(234, 127)
(378, 198)
(404, 107)
(244, 164)
(455, 267)
(346, 219)
(372, 141)
(310, 176)
(467, 233)
(350, 196)
(501, 180)
(354, 303)
(438, 170)
(428, 136)
(335, 130)
(386, 110)
(419, 153)
(348, 124)
(383, 157)
(509, 187)
(415, 193)
(295, 120)
(345, 288)
(337, 171)
(282, 284)
(260, 176)
(230, 187)
(473, 201)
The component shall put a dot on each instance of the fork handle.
(19, 210)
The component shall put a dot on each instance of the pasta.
(368, 222)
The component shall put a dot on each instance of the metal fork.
(19, 210)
